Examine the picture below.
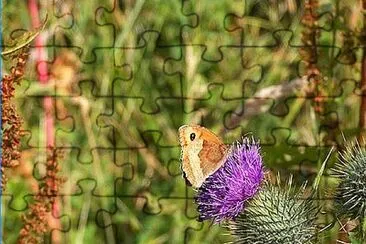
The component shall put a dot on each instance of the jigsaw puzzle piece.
(24, 182)
(135, 19)
(285, 150)
(84, 168)
(187, 228)
(84, 17)
(22, 189)
(148, 82)
(275, 28)
(16, 214)
(120, 25)
(155, 162)
(9, 215)
(124, 117)
(210, 31)
(120, 219)
(82, 217)
(188, 68)
(79, 117)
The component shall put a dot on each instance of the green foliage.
(151, 204)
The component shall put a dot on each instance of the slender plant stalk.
(362, 121)
(363, 229)
(41, 57)
(84, 108)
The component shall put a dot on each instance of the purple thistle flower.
(224, 193)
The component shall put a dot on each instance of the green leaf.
(354, 238)
(25, 39)
(321, 171)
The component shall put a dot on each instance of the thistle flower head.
(350, 196)
(276, 215)
(223, 195)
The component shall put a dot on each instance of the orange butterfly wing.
(202, 156)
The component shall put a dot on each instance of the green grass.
(161, 82)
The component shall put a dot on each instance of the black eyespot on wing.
(192, 136)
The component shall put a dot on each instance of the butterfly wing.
(212, 155)
(201, 155)
(188, 183)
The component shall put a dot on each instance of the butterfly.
(202, 153)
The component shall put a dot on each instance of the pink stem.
(41, 61)
(41, 57)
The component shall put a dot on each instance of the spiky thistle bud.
(350, 170)
(277, 214)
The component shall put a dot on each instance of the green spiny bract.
(350, 170)
(277, 215)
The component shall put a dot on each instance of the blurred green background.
(124, 75)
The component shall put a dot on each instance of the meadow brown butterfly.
(202, 153)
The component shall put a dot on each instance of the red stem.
(41, 57)
(41, 62)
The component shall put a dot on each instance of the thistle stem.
(363, 230)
